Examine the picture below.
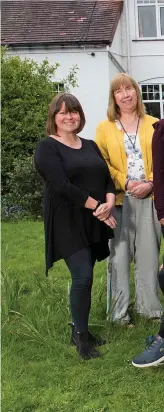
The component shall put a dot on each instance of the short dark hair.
(71, 103)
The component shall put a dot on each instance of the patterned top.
(135, 166)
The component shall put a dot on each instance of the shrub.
(27, 89)
(25, 197)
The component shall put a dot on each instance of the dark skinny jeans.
(81, 265)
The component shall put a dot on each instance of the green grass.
(40, 370)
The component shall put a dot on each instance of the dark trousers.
(81, 266)
(161, 284)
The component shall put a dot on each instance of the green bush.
(25, 197)
(27, 89)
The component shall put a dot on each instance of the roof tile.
(59, 22)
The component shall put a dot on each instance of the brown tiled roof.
(59, 22)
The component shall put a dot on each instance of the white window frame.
(160, 100)
(59, 86)
(158, 5)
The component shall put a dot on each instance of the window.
(150, 18)
(162, 20)
(59, 87)
(153, 98)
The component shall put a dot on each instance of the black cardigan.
(71, 175)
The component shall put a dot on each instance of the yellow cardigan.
(111, 143)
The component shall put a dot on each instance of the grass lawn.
(40, 370)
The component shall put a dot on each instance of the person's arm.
(158, 169)
(110, 187)
(49, 165)
(110, 193)
(118, 177)
(104, 210)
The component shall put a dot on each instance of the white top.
(135, 166)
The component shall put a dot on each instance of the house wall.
(144, 60)
(92, 77)
(119, 47)
(147, 56)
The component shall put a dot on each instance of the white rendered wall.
(117, 44)
(92, 77)
(147, 56)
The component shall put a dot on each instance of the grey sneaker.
(150, 339)
(152, 356)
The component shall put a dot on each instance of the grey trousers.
(137, 237)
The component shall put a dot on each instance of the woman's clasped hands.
(104, 214)
(139, 189)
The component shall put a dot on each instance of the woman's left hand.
(141, 191)
(103, 211)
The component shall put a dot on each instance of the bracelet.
(98, 204)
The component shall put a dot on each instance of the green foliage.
(27, 89)
(25, 191)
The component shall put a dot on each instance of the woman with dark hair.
(77, 186)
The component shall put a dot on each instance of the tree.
(27, 89)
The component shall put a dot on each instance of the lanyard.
(132, 143)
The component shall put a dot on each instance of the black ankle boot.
(91, 339)
(85, 350)
(95, 341)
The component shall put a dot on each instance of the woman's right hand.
(111, 222)
(103, 211)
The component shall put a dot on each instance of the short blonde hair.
(123, 79)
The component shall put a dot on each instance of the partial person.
(154, 354)
(125, 139)
(77, 184)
